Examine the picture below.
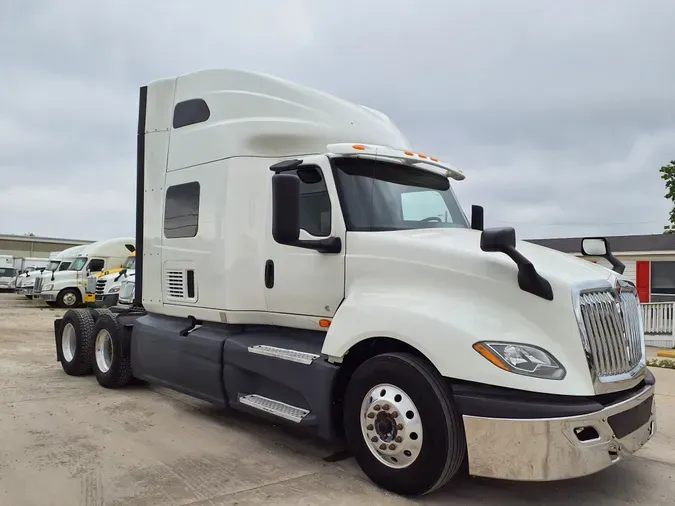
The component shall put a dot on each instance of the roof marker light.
(406, 157)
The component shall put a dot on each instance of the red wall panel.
(643, 279)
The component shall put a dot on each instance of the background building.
(649, 260)
(33, 246)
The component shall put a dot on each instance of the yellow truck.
(93, 279)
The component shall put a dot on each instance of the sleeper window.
(181, 211)
(96, 265)
(315, 211)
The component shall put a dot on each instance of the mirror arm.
(328, 245)
(529, 280)
(617, 265)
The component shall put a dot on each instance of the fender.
(443, 325)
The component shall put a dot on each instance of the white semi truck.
(298, 259)
(67, 289)
(7, 272)
(59, 261)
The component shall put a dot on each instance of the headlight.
(114, 289)
(48, 287)
(522, 359)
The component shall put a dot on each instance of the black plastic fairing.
(140, 189)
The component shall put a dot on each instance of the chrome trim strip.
(300, 357)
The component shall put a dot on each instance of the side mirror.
(594, 246)
(285, 208)
(498, 239)
(503, 240)
(477, 217)
(599, 247)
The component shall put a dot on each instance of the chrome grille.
(91, 284)
(126, 291)
(612, 330)
(37, 286)
(100, 286)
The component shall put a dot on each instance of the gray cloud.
(559, 112)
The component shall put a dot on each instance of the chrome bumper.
(549, 449)
(47, 296)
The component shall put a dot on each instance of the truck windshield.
(63, 266)
(52, 265)
(7, 272)
(129, 263)
(78, 264)
(379, 196)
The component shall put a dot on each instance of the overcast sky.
(559, 112)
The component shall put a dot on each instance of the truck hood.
(61, 276)
(459, 250)
(114, 276)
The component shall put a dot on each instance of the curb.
(666, 353)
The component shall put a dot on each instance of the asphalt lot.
(67, 441)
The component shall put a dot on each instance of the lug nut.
(371, 415)
(394, 414)
(392, 446)
(383, 446)
(399, 426)
(376, 408)
(369, 426)
(398, 439)
(386, 407)
(374, 439)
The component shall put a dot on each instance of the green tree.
(668, 175)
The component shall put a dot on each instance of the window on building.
(181, 210)
(315, 211)
(662, 281)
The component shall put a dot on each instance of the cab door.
(302, 281)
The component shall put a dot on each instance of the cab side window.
(315, 210)
(96, 265)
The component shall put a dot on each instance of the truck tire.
(69, 298)
(401, 424)
(29, 297)
(97, 312)
(111, 369)
(75, 342)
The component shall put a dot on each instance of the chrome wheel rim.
(391, 426)
(103, 350)
(69, 299)
(68, 342)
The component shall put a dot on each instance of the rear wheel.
(112, 370)
(69, 298)
(75, 343)
(401, 424)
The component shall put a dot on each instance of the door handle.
(269, 274)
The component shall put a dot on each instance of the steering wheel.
(433, 218)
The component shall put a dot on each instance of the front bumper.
(25, 290)
(89, 298)
(47, 296)
(107, 300)
(548, 449)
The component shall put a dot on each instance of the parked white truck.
(58, 261)
(298, 259)
(67, 289)
(7, 272)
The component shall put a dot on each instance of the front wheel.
(69, 298)
(402, 426)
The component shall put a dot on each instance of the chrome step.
(280, 409)
(301, 357)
